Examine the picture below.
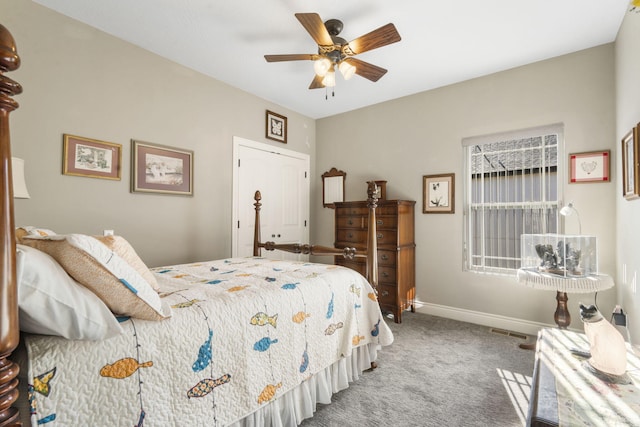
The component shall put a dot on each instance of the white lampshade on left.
(19, 183)
(322, 66)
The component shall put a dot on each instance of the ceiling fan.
(334, 51)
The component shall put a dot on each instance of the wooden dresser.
(396, 249)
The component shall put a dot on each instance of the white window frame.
(468, 144)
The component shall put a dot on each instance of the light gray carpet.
(437, 372)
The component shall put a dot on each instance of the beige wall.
(80, 81)
(628, 211)
(401, 140)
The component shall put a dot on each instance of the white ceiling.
(443, 41)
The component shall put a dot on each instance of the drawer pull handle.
(385, 274)
(350, 235)
(379, 235)
(380, 222)
(350, 222)
(384, 257)
(385, 293)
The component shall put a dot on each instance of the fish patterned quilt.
(243, 332)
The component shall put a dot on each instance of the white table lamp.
(19, 184)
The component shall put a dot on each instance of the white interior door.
(281, 176)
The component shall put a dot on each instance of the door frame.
(247, 143)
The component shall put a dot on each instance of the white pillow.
(52, 303)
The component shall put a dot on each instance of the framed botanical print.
(630, 172)
(438, 193)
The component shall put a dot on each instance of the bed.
(107, 341)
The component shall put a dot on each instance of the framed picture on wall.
(630, 172)
(161, 169)
(438, 193)
(91, 158)
(276, 127)
(589, 167)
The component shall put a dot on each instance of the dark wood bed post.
(9, 328)
(372, 238)
(256, 228)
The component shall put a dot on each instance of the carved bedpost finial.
(372, 193)
(9, 327)
(9, 61)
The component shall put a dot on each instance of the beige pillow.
(112, 279)
(119, 245)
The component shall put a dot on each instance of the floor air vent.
(508, 333)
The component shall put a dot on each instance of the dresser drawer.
(352, 236)
(387, 237)
(359, 237)
(386, 258)
(359, 221)
(386, 222)
(387, 294)
(386, 274)
(351, 221)
(362, 209)
(353, 210)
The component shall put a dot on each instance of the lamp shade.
(347, 70)
(322, 66)
(330, 78)
(19, 183)
(570, 210)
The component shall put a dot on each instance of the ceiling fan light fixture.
(321, 66)
(347, 70)
(330, 78)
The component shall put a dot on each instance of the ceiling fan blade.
(366, 70)
(316, 83)
(315, 27)
(291, 57)
(383, 36)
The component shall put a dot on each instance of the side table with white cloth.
(536, 279)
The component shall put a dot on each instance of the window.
(511, 188)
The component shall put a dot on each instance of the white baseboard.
(480, 318)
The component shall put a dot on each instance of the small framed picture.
(439, 193)
(91, 158)
(630, 160)
(589, 167)
(276, 127)
(161, 169)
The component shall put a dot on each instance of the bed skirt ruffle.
(300, 403)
